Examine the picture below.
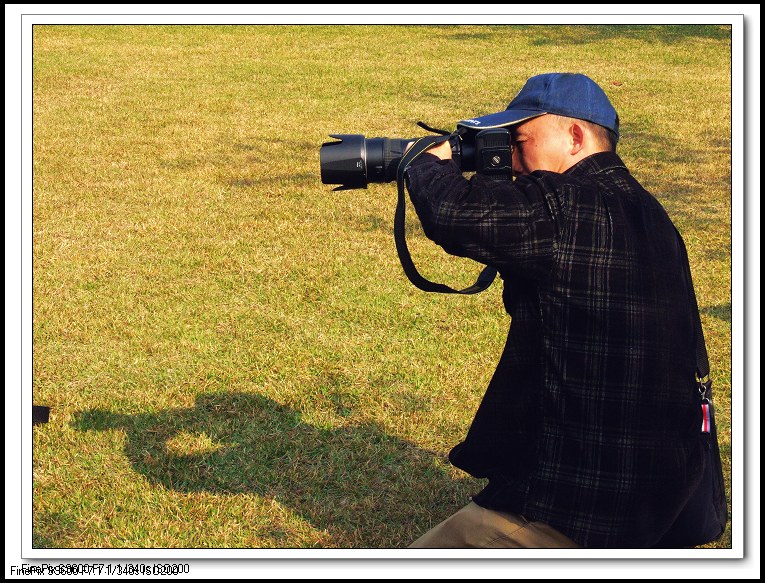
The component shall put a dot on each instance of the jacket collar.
(596, 163)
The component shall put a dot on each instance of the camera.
(354, 161)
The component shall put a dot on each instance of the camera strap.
(486, 276)
(703, 379)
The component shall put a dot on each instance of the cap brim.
(500, 119)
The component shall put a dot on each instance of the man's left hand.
(442, 150)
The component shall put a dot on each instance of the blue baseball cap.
(567, 94)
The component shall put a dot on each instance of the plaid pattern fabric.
(590, 422)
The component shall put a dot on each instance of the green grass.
(231, 353)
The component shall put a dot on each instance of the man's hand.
(442, 150)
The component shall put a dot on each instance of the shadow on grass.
(581, 34)
(364, 487)
(658, 33)
(723, 312)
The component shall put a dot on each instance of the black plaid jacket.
(591, 420)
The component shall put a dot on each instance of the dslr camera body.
(354, 161)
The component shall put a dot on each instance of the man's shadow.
(364, 487)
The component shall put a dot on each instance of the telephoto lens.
(354, 161)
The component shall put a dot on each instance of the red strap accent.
(706, 420)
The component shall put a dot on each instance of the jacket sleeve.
(510, 225)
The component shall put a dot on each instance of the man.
(588, 431)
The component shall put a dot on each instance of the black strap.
(487, 275)
(702, 359)
(432, 130)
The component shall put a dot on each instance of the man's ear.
(576, 133)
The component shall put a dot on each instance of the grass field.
(230, 350)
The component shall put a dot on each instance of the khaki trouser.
(476, 527)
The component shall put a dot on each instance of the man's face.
(539, 144)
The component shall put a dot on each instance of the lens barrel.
(355, 161)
